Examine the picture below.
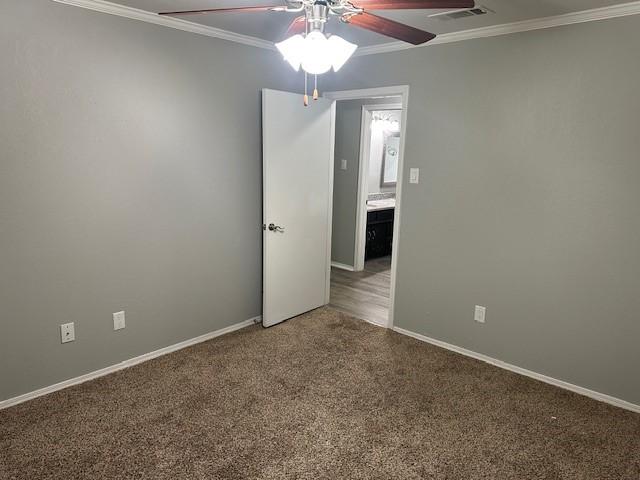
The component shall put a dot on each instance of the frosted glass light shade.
(316, 53)
(293, 50)
(341, 51)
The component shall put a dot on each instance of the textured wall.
(529, 201)
(130, 178)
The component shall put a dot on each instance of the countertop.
(384, 204)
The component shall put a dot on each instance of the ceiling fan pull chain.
(306, 97)
(315, 88)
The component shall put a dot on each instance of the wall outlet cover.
(67, 332)
(119, 321)
(480, 314)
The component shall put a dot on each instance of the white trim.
(604, 13)
(126, 364)
(359, 251)
(401, 91)
(172, 22)
(372, 322)
(343, 266)
(327, 288)
(363, 180)
(617, 402)
(363, 93)
(398, 210)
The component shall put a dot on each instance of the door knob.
(276, 228)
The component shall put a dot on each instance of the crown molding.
(172, 22)
(614, 11)
(604, 13)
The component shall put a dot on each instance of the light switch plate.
(414, 175)
(343, 164)
(118, 321)
(480, 314)
(67, 332)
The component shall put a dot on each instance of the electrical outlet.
(414, 175)
(118, 321)
(67, 332)
(480, 314)
(343, 164)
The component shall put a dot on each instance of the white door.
(297, 158)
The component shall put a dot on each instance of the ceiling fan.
(307, 45)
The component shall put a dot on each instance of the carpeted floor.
(323, 396)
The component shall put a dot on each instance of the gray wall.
(117, 146)
(345, 185)
(529, 201)
(130, 178)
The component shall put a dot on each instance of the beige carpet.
(322, 396)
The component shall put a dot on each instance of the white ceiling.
(270, 26)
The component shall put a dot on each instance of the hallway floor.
(363, 294)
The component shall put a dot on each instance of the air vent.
(457, 14)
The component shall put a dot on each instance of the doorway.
(368, 156)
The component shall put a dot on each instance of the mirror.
(390, 153)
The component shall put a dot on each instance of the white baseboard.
(375, 324)
(126, 364)
(522, 371)
(343, 266)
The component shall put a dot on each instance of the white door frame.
(363, 181)
(401, 91)
(327, 290)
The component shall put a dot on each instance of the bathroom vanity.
(379, 239)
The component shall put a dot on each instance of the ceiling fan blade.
(390, 28)
(413, 4)
(262, 8)
(296, 27)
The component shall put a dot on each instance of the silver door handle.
(276, 228)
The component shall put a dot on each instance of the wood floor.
(363, 294)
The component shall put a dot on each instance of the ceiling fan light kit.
(316, 53)
(308, 46)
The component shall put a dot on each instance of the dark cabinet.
(379, 233)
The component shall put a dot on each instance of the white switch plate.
(67, 332)
(118, 321)
(480, 314)
(343, 164)
(414, 175)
